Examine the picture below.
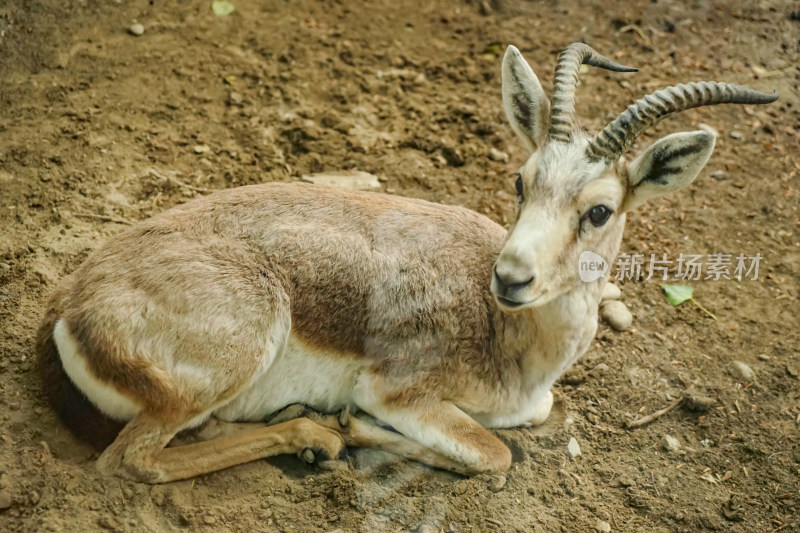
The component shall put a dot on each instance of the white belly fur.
(298, 374)
(104, 396)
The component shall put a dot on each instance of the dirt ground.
(99, 128)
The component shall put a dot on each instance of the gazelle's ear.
(527, 107)
(666, 166)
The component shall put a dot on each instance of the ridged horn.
(562, 117)
(615, 138)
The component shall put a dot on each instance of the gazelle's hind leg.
(139, 451)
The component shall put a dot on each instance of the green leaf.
(677, 294)
(493, 48)
(222, 8)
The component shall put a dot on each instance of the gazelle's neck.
(549, 339)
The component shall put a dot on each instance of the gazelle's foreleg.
(439, 426)
(139, 451)
(359, 432)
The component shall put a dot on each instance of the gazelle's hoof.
(307, 455)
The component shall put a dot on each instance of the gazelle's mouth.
(513, 305)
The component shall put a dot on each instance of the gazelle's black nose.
(506, 286)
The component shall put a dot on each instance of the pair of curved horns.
(620, 133)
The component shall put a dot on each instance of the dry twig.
(178, 182)
(639, 422)
(104, 218)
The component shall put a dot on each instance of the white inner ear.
(667, 165)
(526, 105)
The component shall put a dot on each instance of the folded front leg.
(438, 425)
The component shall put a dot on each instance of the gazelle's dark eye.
(518, 185)
(598, 215)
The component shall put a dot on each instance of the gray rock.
(573, 448)
(742, 371)
(736, 134)
(136, 29)
(497, 155)
(720, 175)
(601, 367)
(108, 522)
(346, 179)
(602, 526)
(610, 292)
(670, 443)
(616, 314)
(497, 483)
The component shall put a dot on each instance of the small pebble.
(209, 519)
(670, 443)
(235, 98)
(610, 292)
(698, 402)
(108, 522)
(201, 148)
(136, 29)
(5, 499)
(742, 371)
(707, 443)
(4, 267)
(602, 367)
(616, 314)
(497, 155)
(426, 528)
(736, 134)
(602, 527)
(573, 448)
(497, 483)
(720, 175)
(763, 357)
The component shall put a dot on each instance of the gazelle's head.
(574, 190)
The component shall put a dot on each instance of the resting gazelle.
(433, 319)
